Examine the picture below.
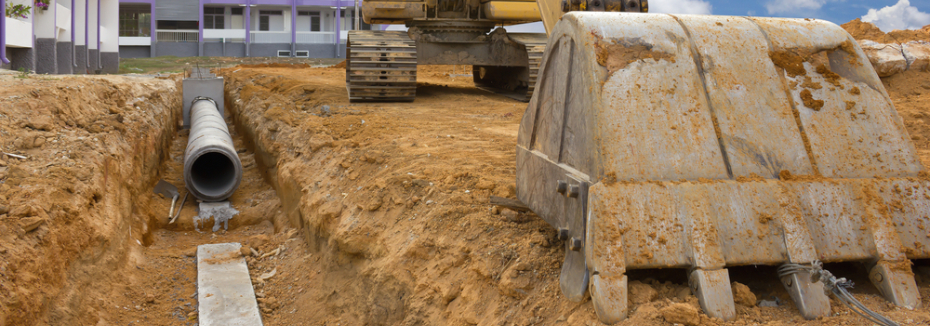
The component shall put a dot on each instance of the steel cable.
(837, 287)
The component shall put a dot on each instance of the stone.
(319, 141)
(681, 313)
(641, 293)
(742, 295)
(31, 223)
(887, 59)
(509, 214)
(917, 54)
(38, 142)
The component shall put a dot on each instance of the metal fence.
(271, 37)
(315, 37)
(177, 35)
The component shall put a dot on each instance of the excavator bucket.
(702, 142)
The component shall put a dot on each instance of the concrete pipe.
(212, 170)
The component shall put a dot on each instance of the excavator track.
(381, 66)
(535, 47)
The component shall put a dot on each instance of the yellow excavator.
(382, 65)
(661, 141)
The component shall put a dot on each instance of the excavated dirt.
(70, 212)
(392, 208)
(353, 214)
(867, 31)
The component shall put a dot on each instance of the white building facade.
(236, 28)
(60, 36)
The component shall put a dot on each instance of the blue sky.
(837, 11)
(888, 15)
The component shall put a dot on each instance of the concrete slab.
(224, 289)
(191, 88)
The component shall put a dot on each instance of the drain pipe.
(99, 64)
(3, 32)
(73, 41)
(86, 35)
(212, 170)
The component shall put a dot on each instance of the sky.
(888, 15)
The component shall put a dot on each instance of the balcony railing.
(315, 37)
(178, 35)
(271, 37)
(224, 35)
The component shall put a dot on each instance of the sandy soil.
(368, 214)
(394, 211)
(68, 211)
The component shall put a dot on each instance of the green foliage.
(17, 11)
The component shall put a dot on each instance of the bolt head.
(575, 244)
(573, 191)
(563, 234)
(562, 186)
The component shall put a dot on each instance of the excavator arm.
(552, 10)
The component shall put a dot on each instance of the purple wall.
(330, 3)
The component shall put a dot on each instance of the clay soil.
(861, 30)
(358, 214)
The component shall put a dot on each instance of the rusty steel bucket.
(701, 142)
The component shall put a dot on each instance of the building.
(60, 36)
(235, 28)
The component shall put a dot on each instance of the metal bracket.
(574, 278)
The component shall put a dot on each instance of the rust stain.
(616, 56)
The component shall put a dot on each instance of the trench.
(162, 283)
(362, 214)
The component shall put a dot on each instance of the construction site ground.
(354, 214)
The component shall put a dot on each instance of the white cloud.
(696, 7)
(900, 16)
(794, 7)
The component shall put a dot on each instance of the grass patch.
(172, 64)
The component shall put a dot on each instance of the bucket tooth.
(608, 285)
(609, 296)
(808, 296)
(712, 288)
(896, 283)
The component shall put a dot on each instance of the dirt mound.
(867, 31)
(65, 219)
(910, 92)
(340, 65)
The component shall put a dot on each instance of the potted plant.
(42, 4)
(17, 11)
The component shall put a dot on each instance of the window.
(313, 19)
(135, 21)
(176, 24)
(213, 17)
(263, 22)
(264, 19)
(237, 11)
(348, 22)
